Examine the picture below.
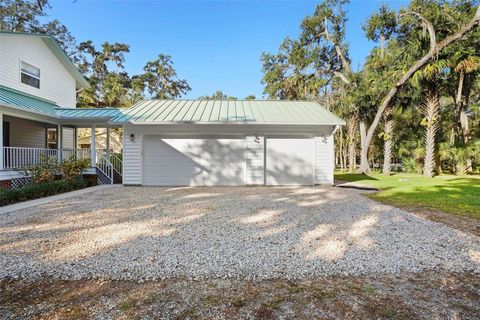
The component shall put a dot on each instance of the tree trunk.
(382, 46)
(457, 127)
(431, 113)
(342, 166)
(364, 165)
(351, 130)
(387, 144)
(464, 124)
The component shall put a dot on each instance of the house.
(38, 115)
(165, 142)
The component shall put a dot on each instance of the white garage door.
(290, 161)
(193, 161)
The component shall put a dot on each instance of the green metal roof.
(228, 111)
(82, 113)
(81, 82)
(20, 100)
(182, 111)
(23, 101)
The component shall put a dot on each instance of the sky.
(215, 45)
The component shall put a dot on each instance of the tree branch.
(341, 56)
(335, 73)
(434, 49)
(430, 28)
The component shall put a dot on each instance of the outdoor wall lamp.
(132, 137)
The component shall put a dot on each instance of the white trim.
(29, 74)
(1, 141)
(93, 149)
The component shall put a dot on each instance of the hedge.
(41, 190)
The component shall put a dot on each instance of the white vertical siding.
(56, 83)
(26, 133)
(132, 158)
(67, 138)
(255, 154)
(324, 159)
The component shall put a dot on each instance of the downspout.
(337, 127)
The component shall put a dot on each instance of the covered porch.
(27, 142)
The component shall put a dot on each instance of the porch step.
(117, 178)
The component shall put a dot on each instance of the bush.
(40, 190)
(71, 169)
(50, 169)
(410, 165)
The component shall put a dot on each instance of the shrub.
(71, 169)
(459, 158)
(50, 169)
(410, 165)
(44, 172)
(40, 190)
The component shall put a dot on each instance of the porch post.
(1, 141)
(108, 143)
(75, 137)
(93, 151)
(59, 143)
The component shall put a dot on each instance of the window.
(51, 138)
(30, 75)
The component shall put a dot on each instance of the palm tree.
(430, 77)
(459, 156)
(430, 109)
(387, 135)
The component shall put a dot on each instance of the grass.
(446, 193)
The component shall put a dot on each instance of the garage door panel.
(184, 162)
(290, 161)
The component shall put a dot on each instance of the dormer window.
(30, 75)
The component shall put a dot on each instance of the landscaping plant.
(40, 190)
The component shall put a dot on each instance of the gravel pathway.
(256, 233)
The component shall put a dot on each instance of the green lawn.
(450, 194)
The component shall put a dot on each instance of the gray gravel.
(256, 233)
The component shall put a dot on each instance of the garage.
(194, 161)
(227, 143)
(290, 161)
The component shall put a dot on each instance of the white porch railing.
(78, 154)
(19, 158)
(117, 163)
(106, 168)
(24, 158)
(112, 157)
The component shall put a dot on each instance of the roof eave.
(18, 108)
(226, 123)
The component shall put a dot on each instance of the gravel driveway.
(152, 233)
